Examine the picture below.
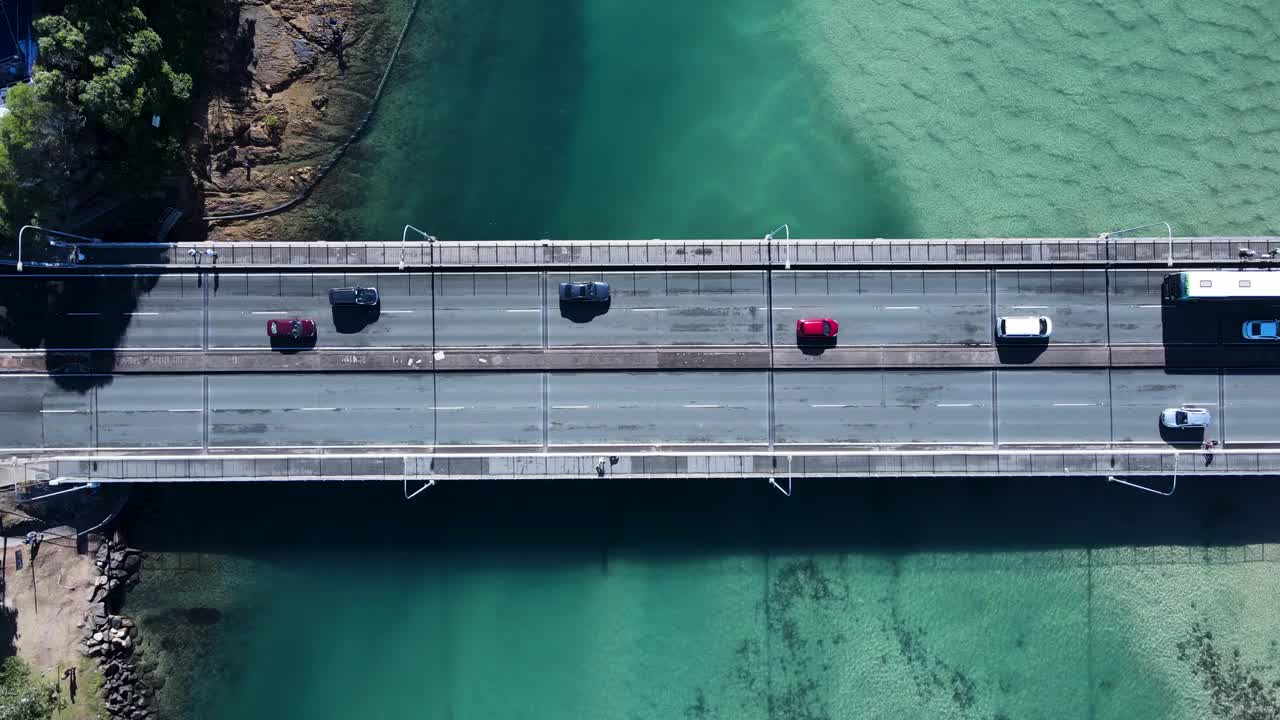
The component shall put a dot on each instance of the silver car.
(1185, 417)
(1262, 330)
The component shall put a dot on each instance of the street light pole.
(51, 242)
(404, 236)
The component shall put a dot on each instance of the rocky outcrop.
(284, 86)
(111, 638)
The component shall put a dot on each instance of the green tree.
(23, 695)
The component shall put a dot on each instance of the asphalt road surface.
(883, 408)
(875, 308)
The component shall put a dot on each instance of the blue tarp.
(17, 43)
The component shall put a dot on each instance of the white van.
(1024, 327)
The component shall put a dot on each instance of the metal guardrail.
(655, 465)
(775, 253)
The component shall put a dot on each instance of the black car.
(362, 296)
(587, 292)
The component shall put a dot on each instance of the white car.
(1024, 327)
(1185, 417)
(1262, 330)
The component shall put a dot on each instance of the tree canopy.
(85, 120)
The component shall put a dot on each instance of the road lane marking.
(955, 404)
(648, 309)
(82, 314)
(1075, 404)
(698, 405)
(570, 407)
(901, 307)
(395, 312)
(185, 410)
(523, 310)
(1150, 306)
(50, 412)
(1030, 307)
(841, 405)
(269, 312)
(320, 408)
(142, 313)
(777, 308)
(447, 407)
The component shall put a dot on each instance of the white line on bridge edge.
(648, 309)
(82, 314)
(269, 312)
(395, 312)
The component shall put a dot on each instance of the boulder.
(115, 621)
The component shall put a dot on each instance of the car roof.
(1022, 325)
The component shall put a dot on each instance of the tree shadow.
(582, 312)
(8, 631)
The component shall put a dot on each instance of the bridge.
(160, 370)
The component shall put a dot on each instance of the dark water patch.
(706, 516)
(1239, 689)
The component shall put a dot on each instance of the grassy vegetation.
(87, 705)
(23, 694)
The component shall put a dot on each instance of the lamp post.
(404, 237)
(51, 242)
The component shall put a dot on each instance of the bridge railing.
(655, 465)
(550, 254)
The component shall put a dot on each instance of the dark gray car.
(361, 296)
(588, 292)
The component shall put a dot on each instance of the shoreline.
(284, 93)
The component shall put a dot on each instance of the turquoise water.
(615, 119)
(611, 119)
(986, 599)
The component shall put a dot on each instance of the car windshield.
(366, 294)
(1180, 417)
(826, 328)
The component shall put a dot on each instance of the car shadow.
(583, 312)
(348, 320)
(1180, 436)
(816, 346)
(1021, 351)
(289, 346)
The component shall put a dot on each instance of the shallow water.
(613, 119)
(607, 119)
(985, 599)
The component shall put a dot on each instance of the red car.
(816, 328)
(291, 328)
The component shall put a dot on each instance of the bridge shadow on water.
(702, 516)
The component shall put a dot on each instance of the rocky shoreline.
(285, 86)
(111, 637)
